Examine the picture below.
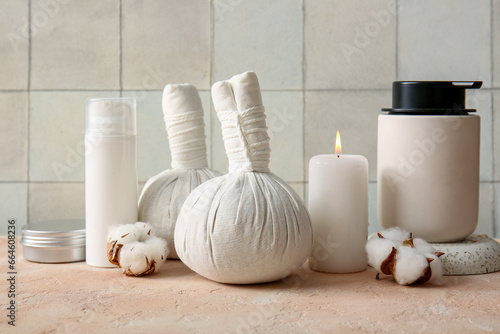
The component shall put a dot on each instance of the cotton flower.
(410, 261)
(410, 266)
(136, 249)
(396, 234)
(378, 250)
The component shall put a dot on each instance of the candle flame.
(338, 146)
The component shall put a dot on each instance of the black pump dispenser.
(430, 97)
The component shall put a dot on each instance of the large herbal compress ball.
(247, 226)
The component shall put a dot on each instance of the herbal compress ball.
(247, 226)
(163, 195)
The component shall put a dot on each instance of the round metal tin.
(54, 241)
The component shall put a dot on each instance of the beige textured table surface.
(75, 298)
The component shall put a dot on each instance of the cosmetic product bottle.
(110, 172)
(428, 161)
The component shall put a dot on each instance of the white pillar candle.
(338, 205)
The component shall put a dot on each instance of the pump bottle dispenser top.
(430, 97)
(428, 160)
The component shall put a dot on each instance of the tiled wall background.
(323, 65)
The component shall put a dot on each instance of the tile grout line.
(29, 45)
(396, 45)
(120, 35)
(28, 116)
(208, 90)
(45, 182)
(493, 183)
(211, 74)
(495, 232)
(60, 90)
(304, 98)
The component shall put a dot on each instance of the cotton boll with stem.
(431, 253)
(411, 265)
(378, 249)
(143, 258)
(136, 249)
(409, 261)
(423, 246)
(395, 234)
(119, 235)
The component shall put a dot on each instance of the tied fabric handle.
(246, 139)
(187, 139)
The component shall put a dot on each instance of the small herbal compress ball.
(410, 261)
(163, 195)
(135, 249)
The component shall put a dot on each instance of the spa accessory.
(54, 241)
(338, 204)
(136, 249)
(110, 172)
(477, 254)
(428, 161)
(247, 226)
(163, 195)
(409, 260)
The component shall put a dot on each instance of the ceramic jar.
(428, 161)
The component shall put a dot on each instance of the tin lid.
(56, 228)
(431, 97)
(54, 240)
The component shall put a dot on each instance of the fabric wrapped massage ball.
(248, 226)
(163, 195)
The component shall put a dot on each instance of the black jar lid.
(430, 97)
